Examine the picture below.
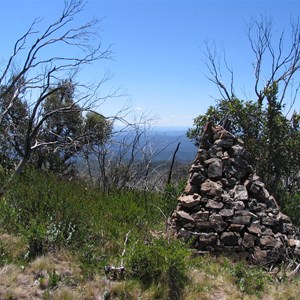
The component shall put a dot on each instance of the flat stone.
(260, 256)
(243, 220)
(263, 194)
(184, 216)
(207, 239)
(226, 212)
(201, 216)
(237, 150)
(189, 201)
(238, 205)
(220, 226)
(215, 169)
(294, 243)
(255, 229)
(224, 143)
(191, 189)
(244, 212)
(197, 178)
(204, 226)
(211, 188)
(185, 234)
(268, 241)
(268, 220)
(241, 167)
(215, 218)
(240, 193)
(212, 204)
(248, 240)
(282, 218)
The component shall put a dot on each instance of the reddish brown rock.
(249, 240)
(189, 200)
(211, 188)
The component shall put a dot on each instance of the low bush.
(52, 213)
(161, 262)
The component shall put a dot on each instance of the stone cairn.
(225, 206)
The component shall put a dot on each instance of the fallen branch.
(117, 273)
(294, 272)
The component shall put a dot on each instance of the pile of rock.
(225, 206)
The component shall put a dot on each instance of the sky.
(158, 61)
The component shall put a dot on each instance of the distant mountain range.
(170, 139)
(165, 143)
(162, 143)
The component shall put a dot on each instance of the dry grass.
(18, 283)
(209, 286)
(15, 284)
(14, 245)
(284, 291)
(57, 276)
(34, 281)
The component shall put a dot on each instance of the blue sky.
(157, 46)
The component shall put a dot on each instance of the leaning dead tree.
(47, 57)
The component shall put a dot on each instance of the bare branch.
(213, 65)
(38, 77)
(284, 63)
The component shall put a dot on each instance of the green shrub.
(292, 208)
(48, 212)
(52, 213)
(160, 262)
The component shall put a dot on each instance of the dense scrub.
(63, 234)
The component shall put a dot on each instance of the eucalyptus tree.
(41, 59)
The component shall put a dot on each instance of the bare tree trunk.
(172, 164)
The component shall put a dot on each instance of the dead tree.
(38, 74)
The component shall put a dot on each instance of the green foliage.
(292, 208)
(99, 129)
(60, 129)
(244, 115)
(54, 278)
(160, 262)
(47, 212)
(251, 281)
(13, 125)
(5, 257)
(51, 213)
(40, 206)
(272, 139)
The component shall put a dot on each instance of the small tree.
(97, 132)
(60, 132)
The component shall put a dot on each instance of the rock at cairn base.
(225, 207)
